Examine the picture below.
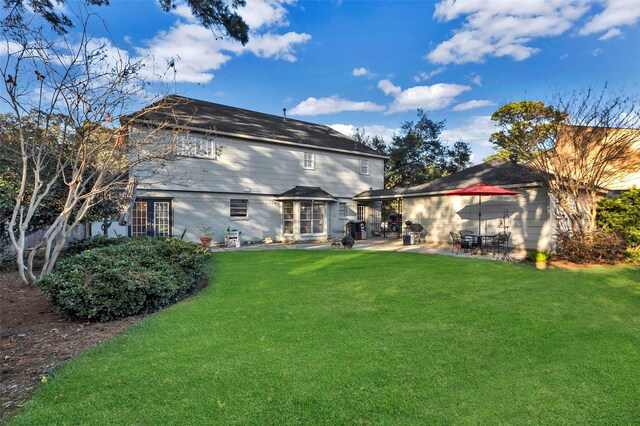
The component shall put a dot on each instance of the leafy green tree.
(213, 14)
(622, 216)
(376, 143)
(417, 155)
(526, 128)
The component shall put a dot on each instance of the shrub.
(597, 246)
(538, 256)
(78, 246)
(622, 215)
(137, 275)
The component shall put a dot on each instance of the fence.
(35, 238)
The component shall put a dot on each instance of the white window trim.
(245, 217)
(193, 146)
(313, 160)
(346, 211)
(364, 162)
(313, 220)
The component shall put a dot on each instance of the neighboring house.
(265, 175)
(611, 154)
(531, 217)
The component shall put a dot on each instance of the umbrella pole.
(480, 216)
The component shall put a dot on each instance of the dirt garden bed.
(35, 339)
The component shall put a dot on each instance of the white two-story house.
(264, 175)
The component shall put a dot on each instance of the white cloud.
(475, 131)
(431, 98)
(197, 52)
(477, 80)
(384, 132)
(260, 14)
(194, 49)
(501, 28)
(388, 88)
(616, 13)
(613, 32)
(184, 11)
(596, 52)
(276, 46)
(331, 105)
(424, 76)
(360, 72)
(472, 104)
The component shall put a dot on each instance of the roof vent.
(284, 113)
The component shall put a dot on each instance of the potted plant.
(540, 258)
(207, 235)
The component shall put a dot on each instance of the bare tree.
(582, 144)
(66, 94)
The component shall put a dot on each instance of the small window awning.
(306, 193)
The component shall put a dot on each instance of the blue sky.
(371, 64)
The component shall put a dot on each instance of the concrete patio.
(380, 244)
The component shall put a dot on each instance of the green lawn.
(354, 337)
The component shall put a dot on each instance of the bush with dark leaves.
(138, 275)
(597, 246)
(78, 246)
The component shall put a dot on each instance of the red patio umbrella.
(481, 189)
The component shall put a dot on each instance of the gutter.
(433, 193)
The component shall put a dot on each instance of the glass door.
(151, 217)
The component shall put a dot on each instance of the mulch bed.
(35, 340)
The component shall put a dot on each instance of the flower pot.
(206, 242)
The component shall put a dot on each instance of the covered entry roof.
(494, 172)
(306, 193)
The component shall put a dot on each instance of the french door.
(151, 217)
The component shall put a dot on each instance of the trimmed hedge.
(132, 276)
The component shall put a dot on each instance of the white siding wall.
(248, 167)
(191, 211)
(529, 216)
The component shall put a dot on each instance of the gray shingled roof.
(306, 192)
(495, 172)
(209, 116)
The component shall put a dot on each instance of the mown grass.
(353, 337)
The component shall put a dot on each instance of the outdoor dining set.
(469, 241)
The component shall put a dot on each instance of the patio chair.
(458, 243)
(417, 231)
(469, 237)
(500, 243)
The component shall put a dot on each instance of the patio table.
(483, 242)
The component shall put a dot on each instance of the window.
(364, 166)
(360, 212)
(238, 208)
(287, 217)
(342, 211)
(196, 146)
(311, 217)
(139, 219)
(309, 162)
(161, 219)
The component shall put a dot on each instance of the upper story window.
(309, 161)
(364, 166)
(196, 146)
(238, 208)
